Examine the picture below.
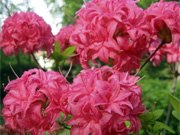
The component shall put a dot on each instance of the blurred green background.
(156, 81)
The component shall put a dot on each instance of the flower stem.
(68, 70)
(148, 59)
(13, 71)
(36, 61)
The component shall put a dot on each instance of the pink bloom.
(63, 36)
(26, 31)
(33, 102)
(118, 125)
(98, 96)
(168, 13)
(110, 31)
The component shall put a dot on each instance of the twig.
(148, 59)
(167, 117)
(28, 7)
(68, 70)
(36, 61)
(8, 79)
(141, 78)
(60, 70)
(6, 7)
(44, 59)
(13, 71)
(19, 63)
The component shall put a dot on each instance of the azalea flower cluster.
(63, 36)
(119, 33)
(32, 102)
(26, 32)
(167, 12)
(100, 101)
(109, 31)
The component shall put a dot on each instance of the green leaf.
(69, 51)
(151, 117)
(159, 126)
(176, 115)
(57, 48)
(175, 102)
(146, 3)
(65, 132)
(157, 114)
(58, 55)
(57, 52)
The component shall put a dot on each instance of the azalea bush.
(107, 50)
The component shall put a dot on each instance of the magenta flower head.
(63, 36)
(33, 102)
(110, 31)
(26, 31)
(102, 101)
(162, 19)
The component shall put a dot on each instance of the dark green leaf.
(150, 117)
(159, 126)
(146, 3)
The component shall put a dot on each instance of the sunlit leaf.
(57, 48)
(176, 115)
(175, 102)
(69, 51)
(57, 53)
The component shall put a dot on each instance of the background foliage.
(156, 82)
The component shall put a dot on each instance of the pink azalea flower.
(118, 125)
(26, 31)
(110, 31)
(63, 36)
(98, 96)
(33, 102)
(166, 13)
